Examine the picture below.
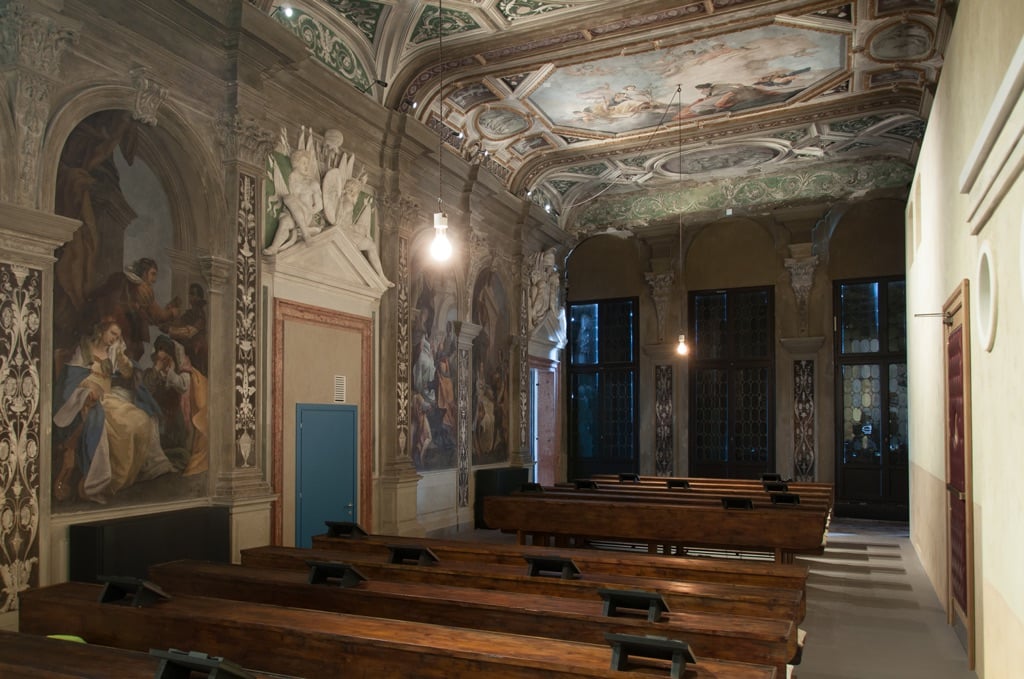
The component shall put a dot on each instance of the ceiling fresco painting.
(740, 71)
(601, 109)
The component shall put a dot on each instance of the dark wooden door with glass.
(732, 409)
(602, 388)
(871, 399)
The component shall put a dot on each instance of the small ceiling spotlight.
(286, 10)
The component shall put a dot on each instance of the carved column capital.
(32, 43)
(801, 277)
(661, 293)
(399, 212)
(243, 139)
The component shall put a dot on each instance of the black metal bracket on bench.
(334, 573)
(776, 487)
(130, 591)
(770, 476)
(629, 477)
(412, 554)
(737, 503)
(531, 488)
(785, 499)
(344, 529)
(175, 664)
(552, 566)
(585, 484)
(615, 599)
(678, 483)
(661, 648)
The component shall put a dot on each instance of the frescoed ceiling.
(629, 113)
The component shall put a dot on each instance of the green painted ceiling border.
(831, 182)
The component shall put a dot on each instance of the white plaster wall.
(985, 37)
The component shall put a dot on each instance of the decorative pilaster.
(666, 362)
(803, 420)
(801, 268)
(523, 343)
(246, 321)
(805, 435)
(28, 239)
(32, 43)
(466, 333)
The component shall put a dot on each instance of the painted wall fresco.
(744, 70)
(130, 358)
(434, 410)
(491, 365)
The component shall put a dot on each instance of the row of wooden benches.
(597, 615)
(734, 515)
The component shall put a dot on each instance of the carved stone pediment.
(331, 263)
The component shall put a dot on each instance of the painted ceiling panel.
(601, 108)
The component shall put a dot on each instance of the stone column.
(804, 351)
(397, 511)
(467, 333)
(239, 466)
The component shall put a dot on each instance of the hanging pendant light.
(681, 347)
(440, 247)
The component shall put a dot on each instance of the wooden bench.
(760, 602)
(707, 498)
(726, 637)
(312, 643)
(31, 656)
(737, 572)
(782, 535)
(809, 488)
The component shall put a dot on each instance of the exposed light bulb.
(440, 247)
(682, 348)
(288, 11)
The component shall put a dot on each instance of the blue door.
(325, 468)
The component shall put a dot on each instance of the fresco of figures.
(130, 358)
(433, 421)
(491, 361)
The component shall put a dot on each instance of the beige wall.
(942, 253)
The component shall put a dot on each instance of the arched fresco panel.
(491, 365)
(434, 414)
(130, 358)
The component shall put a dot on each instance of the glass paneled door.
(731, 383)
(602, 388)
(871, 403)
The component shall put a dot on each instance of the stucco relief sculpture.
(545, 284)
(321, 191)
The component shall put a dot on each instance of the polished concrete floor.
(872, 612)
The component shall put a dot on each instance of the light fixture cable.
(681, 348)
(440, 247)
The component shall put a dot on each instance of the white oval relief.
(988, 297)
